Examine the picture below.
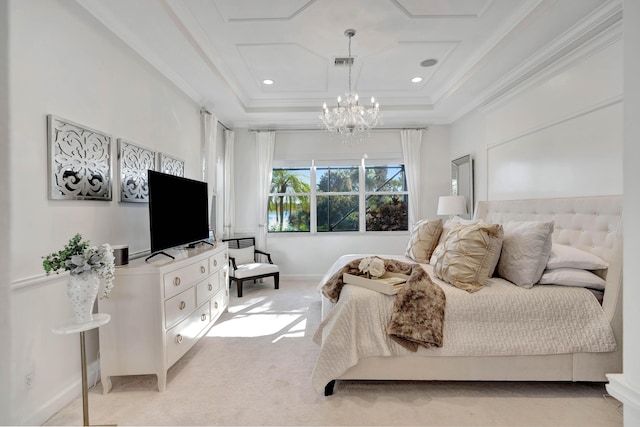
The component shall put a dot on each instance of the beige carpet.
(254, 367)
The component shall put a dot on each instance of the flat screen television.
(178, 211)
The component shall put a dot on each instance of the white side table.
(70, 327)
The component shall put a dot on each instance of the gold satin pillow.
(469, 254)
(423, 240)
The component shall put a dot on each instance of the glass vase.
(82, 290)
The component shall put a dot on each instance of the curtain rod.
(205, 111)
(324, 130)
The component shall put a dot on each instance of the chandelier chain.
(350, 61)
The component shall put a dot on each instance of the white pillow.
(572, 277)
(525, 251)
(567, 256)
(244, 255)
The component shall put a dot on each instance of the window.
(337, 198)
(386, 198)
(290, 200)
(331, 198)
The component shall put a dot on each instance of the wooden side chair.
(249, 263)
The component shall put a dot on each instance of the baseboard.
(64, 397)
(619, 388)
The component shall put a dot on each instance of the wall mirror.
(462, 182)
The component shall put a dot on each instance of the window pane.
(385, 178)
(387, 213)
(291, 180)
(289, 213)
(337, 213)
(337, 179)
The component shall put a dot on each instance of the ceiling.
(219, 52)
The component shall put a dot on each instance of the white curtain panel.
(411, 151)
(229, 189)
(209, 150)
(265, 144)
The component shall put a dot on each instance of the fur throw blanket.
(418, 311)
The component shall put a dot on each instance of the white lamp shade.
(451, 205)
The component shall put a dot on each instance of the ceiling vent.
(341, 62)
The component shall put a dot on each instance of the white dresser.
(160, 309)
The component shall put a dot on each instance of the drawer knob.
(202, 269)
(179, 339)
(215, 262)
(183, 305)
(210, 287)
(215, 304)
(203, 317)
(176, 281)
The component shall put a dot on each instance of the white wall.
(559, 136)
(309, 256)
(5, 294)
(86, 75)
(626, 387)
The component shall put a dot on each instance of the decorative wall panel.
(171, 165)
(135, 161)
(79, 161)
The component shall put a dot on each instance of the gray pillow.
(525, 251)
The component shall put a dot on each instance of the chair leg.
(276, 279)
(239, 283)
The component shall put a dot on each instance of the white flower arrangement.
(79, 258)
(372, 266)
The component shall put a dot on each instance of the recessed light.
(416, 79)
(268, 81)
(429, 62)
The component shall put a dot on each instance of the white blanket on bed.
(501, 319)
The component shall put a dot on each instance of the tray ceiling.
(220, 51)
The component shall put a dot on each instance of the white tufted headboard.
(592, 224)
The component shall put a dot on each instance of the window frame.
(362, 193)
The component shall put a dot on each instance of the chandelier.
(349, 118)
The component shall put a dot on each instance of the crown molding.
(600, 30)
(102, 14)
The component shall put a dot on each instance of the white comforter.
(500, 319)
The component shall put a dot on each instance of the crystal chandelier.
(350, 119)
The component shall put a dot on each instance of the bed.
(562, 333)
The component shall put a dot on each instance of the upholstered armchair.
(248, 263)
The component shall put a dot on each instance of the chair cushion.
(244, 255)
(254, 269)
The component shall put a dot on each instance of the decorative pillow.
(447, 227)
(572, 277)
(244, 255)
(455, 221)
(567, 256)
(525, 251)
(468, 256)
(423, 240)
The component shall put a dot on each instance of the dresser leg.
(162, 381)
(106, 383)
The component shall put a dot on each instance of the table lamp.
(451, 205)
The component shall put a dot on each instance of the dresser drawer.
(217, 304)
(179, 280)
(207, 288)
(179, 306)
(186, 333)
(218, 261)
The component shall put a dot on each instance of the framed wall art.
(171, 165)
(134, 162)
(79, 161)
